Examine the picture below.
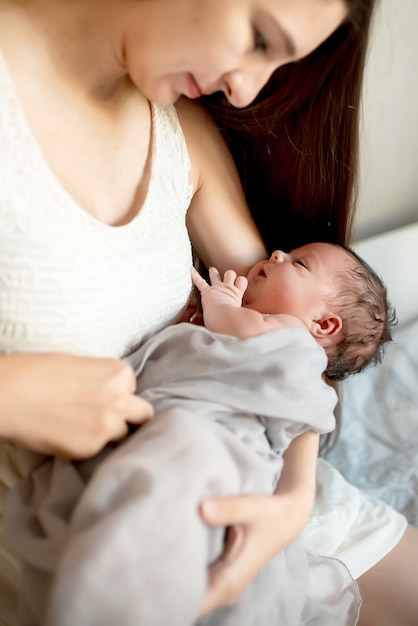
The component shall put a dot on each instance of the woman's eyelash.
(260, 42)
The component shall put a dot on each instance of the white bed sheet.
(378, 445)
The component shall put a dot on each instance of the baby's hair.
(368, 320)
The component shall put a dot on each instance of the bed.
(378, 445)
(377, 449)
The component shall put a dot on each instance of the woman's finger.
(228, 511)
(234, 543)
(138, 410)
(231, 573)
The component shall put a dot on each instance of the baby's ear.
(328, 326)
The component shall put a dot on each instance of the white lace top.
(69, 282)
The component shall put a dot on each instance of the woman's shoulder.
(191, 112)
(198, 126)
(205, 143)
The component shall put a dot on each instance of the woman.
(76, 82)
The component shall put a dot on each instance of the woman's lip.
(194, 90)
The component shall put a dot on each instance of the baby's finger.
(230, 277)
(214, 276)
(241, 283)
(198, 280)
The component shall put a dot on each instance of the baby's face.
(297, 283)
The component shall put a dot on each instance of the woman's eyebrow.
(283, 34)
(288, 41)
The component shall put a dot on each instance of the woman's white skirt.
(347, 524)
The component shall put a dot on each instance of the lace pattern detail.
(70, 282)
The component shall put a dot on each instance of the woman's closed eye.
(260, 42)
(301, 262)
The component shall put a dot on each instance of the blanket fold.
(119, 539)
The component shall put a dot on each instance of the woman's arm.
(261, 526)
(220, 225)
(67, 405)
(299, 476)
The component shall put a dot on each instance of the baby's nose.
(278, 256)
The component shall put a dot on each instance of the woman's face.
(194, 47)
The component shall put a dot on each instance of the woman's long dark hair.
(296, 146)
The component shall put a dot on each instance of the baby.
(229, 398)
(326, 289)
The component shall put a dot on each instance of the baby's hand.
(230, 290)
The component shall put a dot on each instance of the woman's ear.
(328, 326)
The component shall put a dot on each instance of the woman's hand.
(67, 405)
(260, 526)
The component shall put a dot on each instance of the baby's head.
(367, 319)
(335, 294)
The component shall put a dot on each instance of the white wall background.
(389, 135)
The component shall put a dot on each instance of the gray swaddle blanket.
(119, 540)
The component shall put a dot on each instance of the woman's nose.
(242, 87)
(278, 256)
